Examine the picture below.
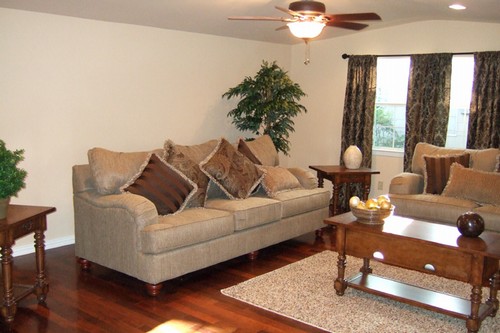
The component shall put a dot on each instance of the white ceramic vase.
(352, 157)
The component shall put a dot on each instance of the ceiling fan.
(308, 18)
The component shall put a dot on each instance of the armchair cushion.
(437, 171)
(478, 186)
(234, 173)
(162, 184)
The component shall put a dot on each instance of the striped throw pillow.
(162, 184)
(437, 170)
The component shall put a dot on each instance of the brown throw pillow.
(261, 150)
(162, 184)
(437, 171)
(278, 179)
(475, 185)
(235, 174)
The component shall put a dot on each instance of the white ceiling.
(210, 16)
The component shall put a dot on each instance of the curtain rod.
(346, 56)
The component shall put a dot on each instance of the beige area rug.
(304, 291)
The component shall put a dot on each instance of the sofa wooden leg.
(319, 233)
(253, 255)
(153, 289)
(84, 264)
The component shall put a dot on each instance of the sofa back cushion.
(111, 169)
(480, 159)
(478, 186)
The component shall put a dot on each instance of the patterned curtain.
(428, 102)
(358, 116)
(484, 119)
(359, 106)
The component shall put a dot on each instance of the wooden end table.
(339, 175)
(423, 247)
(21, 221)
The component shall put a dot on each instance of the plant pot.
(4, 205)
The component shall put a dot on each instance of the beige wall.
(69, 84)
(317, 136)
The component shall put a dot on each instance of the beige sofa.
(124, 231)
(417, 193)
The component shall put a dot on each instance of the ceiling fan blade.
(347, 25)
(258, 18)
(283, 27)
(288, 11)
(354, 17)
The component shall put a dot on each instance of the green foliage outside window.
(385, 133)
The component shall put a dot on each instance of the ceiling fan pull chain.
(308, 52)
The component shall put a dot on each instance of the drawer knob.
(430, 267)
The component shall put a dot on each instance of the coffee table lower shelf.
(417, 296)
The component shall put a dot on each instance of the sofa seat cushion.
(431, 207)
(490, 215)
(191, 226)
(250, 212)
(303, 200)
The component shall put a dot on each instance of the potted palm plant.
(268, 102)
(11, 176)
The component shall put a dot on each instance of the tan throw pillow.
(111, 169)
(437, 171)
(196, 153)
(235, 174)
(475, 185)
(277, 180)
(162, 184)
(261, 150)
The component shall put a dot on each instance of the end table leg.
(41, 286)
(340, 283)
(9, 306)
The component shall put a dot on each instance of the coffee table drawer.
(410, 253)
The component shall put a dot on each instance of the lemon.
(371, 204)
(382, 198)
(385, 205)
(354, 201)
(361, 205)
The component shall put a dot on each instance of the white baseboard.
(49, 244)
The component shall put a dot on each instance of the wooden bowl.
(371, 216)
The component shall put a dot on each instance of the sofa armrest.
(306, 178)
(137, 209)
(407, 183)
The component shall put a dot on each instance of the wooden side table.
(21, 221)
(339, 175)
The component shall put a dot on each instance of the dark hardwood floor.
(103, 300)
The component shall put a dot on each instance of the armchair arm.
(306, 178)
(407, 183)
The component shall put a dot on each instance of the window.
(390, 102)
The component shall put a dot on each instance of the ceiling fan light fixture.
(306, 29)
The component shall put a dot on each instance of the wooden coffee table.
(423, 247)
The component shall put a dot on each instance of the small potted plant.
(11, 176)
(268, 102)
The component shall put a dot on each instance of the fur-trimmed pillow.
(162, 184)
(475, 185)
(234, 173)
(111, 169)
(278, 179)
(437, 170)
(261, 150)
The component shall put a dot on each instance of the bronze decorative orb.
(470, 224)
